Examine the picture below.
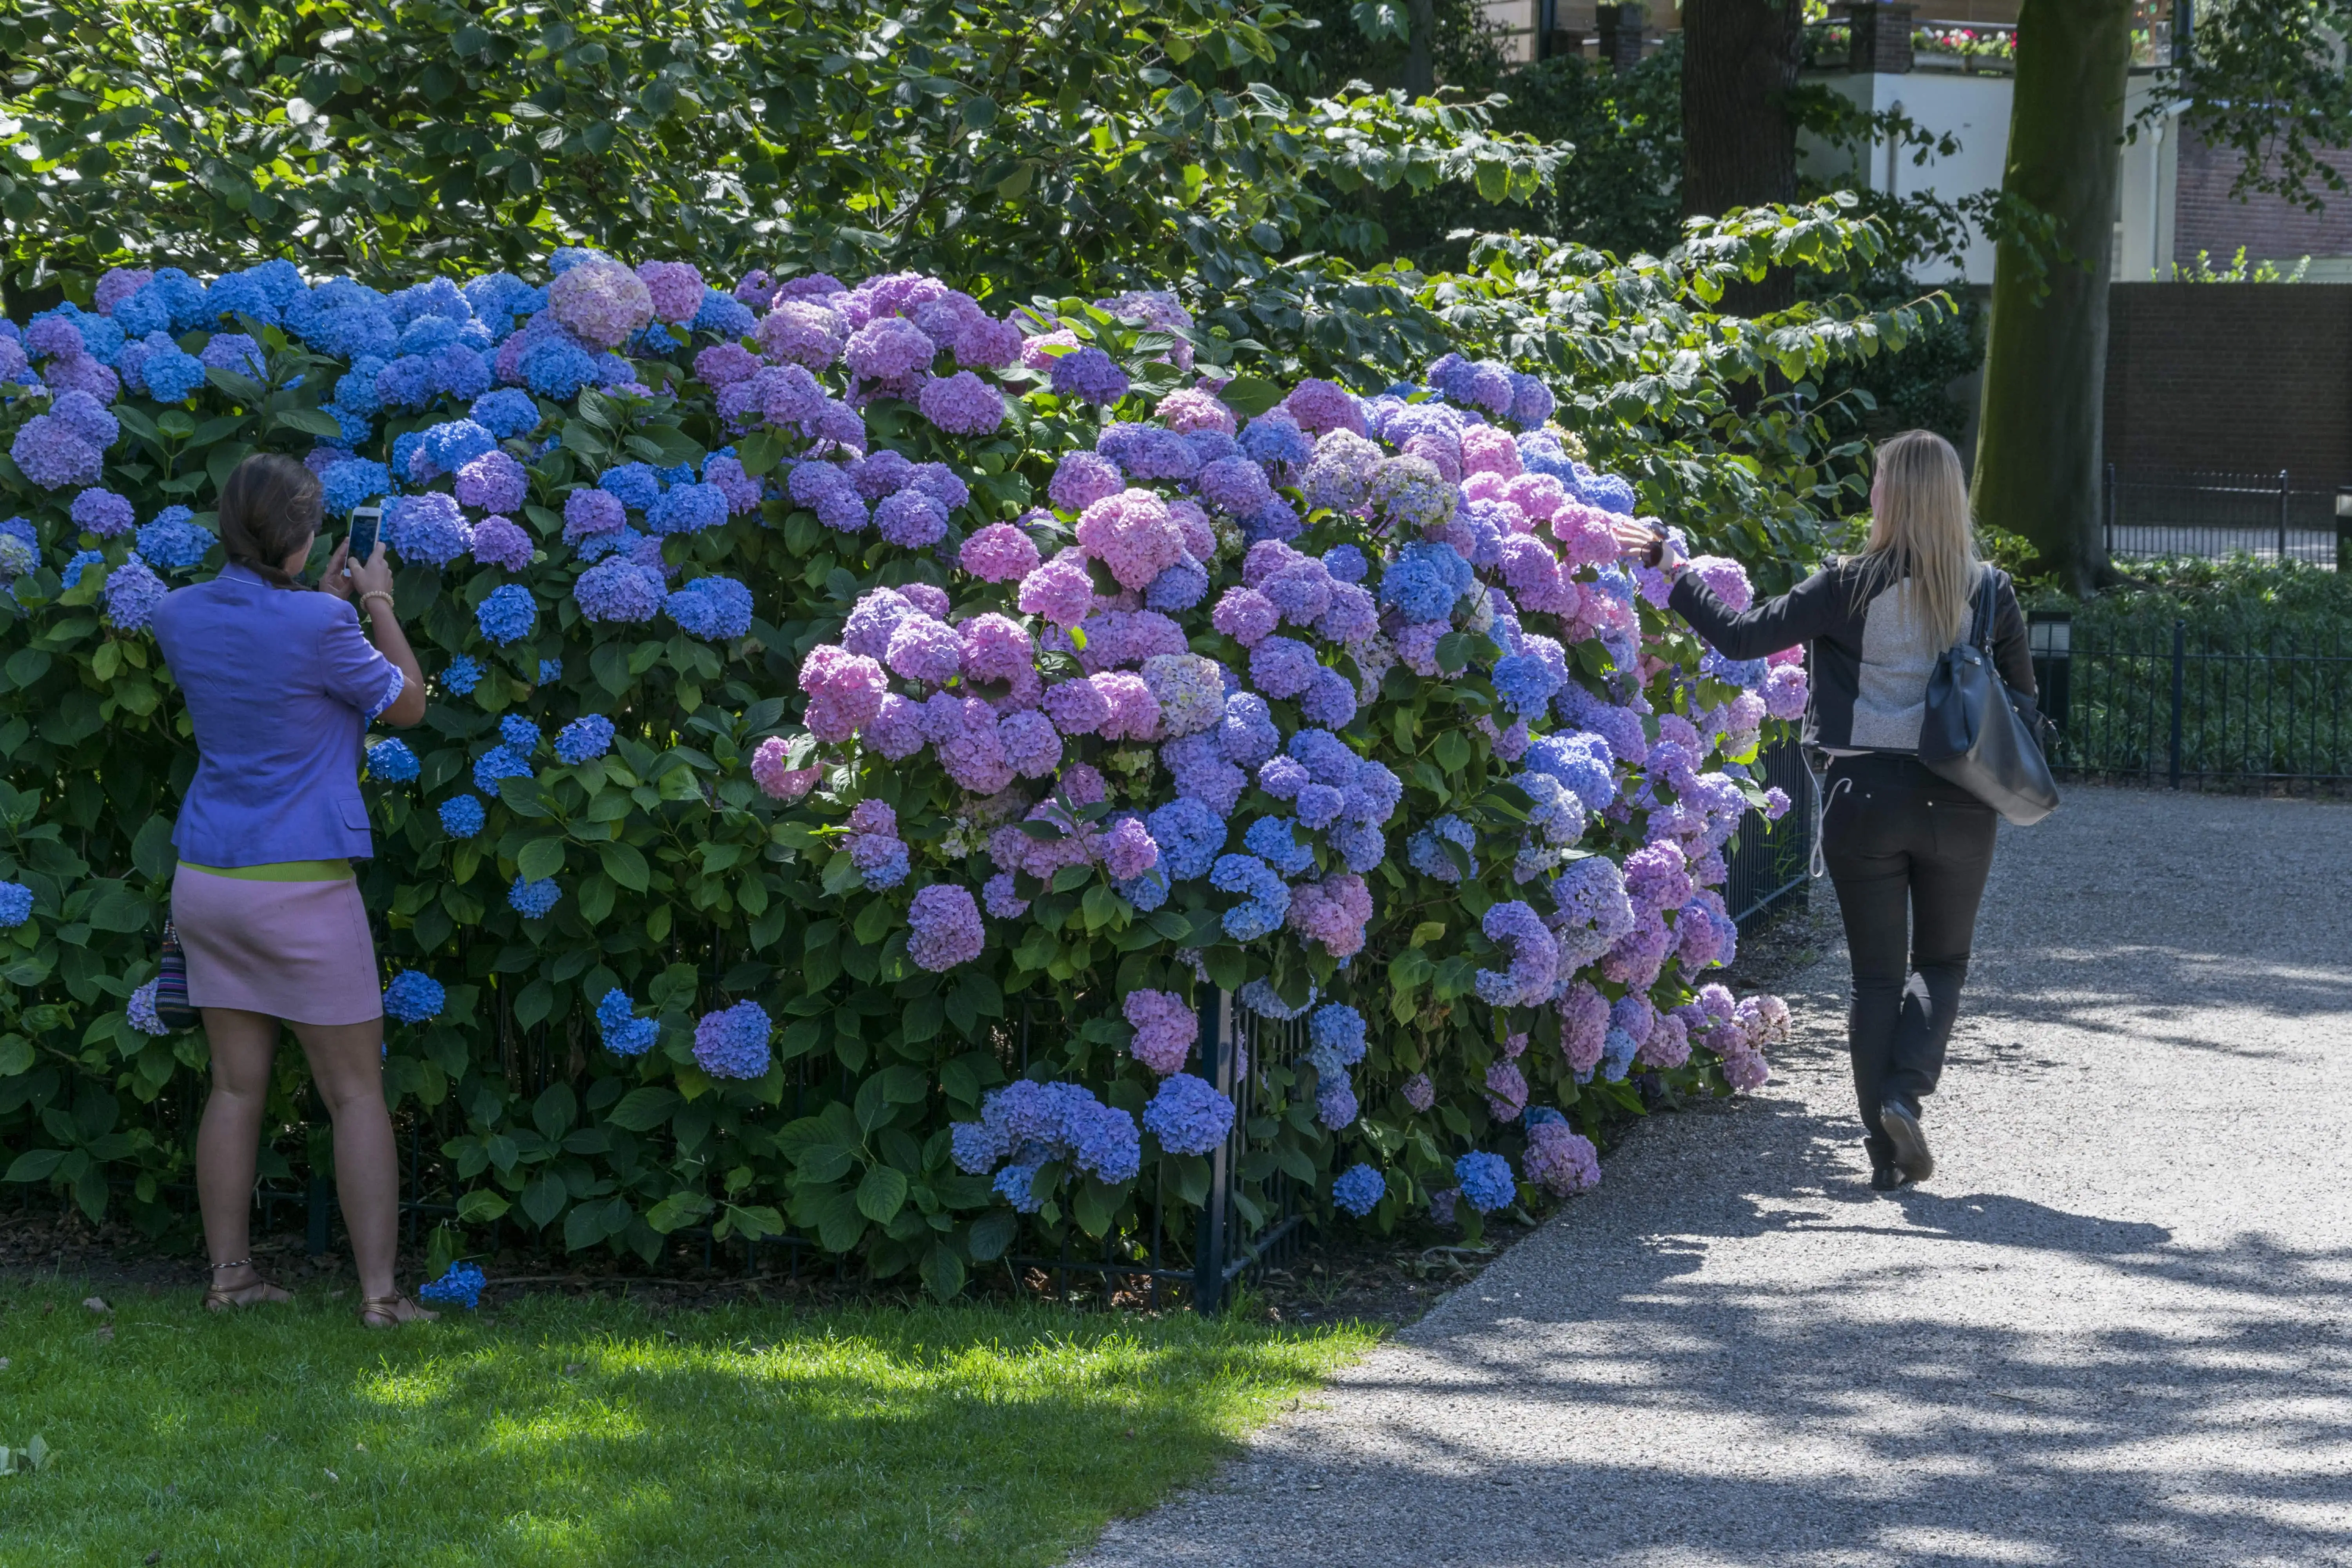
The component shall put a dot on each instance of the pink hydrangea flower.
(946, 928)
(1560, 1160)
(1320, 405)
(999, 554)
(844, 690)
(1727, 577)
(776, 779)
(1191, 409)
(1246, 616)
(675, 287)
(1333, 911)
(1059, 591)
(1165, 1029)
(1134, 712)
(1131, 534)
(600, 302)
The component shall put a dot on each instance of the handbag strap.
(1981, 623)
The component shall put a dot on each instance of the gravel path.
(2117, 1328)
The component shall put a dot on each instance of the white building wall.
(1974, 108)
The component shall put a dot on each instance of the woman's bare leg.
(228, 1140)
(347, 1064)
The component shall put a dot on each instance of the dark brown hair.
(271, 508)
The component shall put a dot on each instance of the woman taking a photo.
(280, 688)
(1908, 850)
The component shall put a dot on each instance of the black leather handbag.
(1979, 733)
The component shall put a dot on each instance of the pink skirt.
(296, 951)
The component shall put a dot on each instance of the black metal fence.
(2180, 707)
(1769, 860)
(2151, 512)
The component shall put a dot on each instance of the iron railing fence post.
(2180, 670)
(2107, 511)
(1209, 1249)
(2281, 515)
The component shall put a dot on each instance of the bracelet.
(380, 594)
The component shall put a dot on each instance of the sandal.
(254, 1292)
(390, 1311)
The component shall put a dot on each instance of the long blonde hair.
(1919, 529)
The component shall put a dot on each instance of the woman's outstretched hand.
(1633, 539)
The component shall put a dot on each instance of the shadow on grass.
(590, 1432)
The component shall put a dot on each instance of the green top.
(279, 871)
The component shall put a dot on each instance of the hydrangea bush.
(865, 726)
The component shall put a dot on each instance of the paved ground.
(2116, 1328)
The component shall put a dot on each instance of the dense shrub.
(844, 697)
(1022, 143)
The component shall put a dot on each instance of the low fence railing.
(2183, 708)
(2148, 513)
(1769, 860)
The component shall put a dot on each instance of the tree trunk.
(1740, 61)
(1421, 49)
(2039, 448)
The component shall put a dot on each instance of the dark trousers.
(1909, 853)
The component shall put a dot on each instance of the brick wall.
(2208, 219)
(2247, 377)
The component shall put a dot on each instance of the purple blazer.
(281, 685)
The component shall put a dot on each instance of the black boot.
(1902, 1125)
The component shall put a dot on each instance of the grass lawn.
(589, 1431)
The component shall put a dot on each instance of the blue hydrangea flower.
(718, 609)
(1359, 1190)
(623, 1033)
(507, 411)
(462, 817)
(16, 905)
(733, 1041)
(1265, 898)
(464, 674)
(687, 509)
(1272, 840)
(453, 443)
(723, 314)
(1487, 1181)
(509, 615)
(1337, 1030)
(557, 370)
(533, 899)
(414, 996)
(355, 482)
(172, 542)
(551, 670)
(173, 376)
(460, 1285)
(392, 762)
(82, 561)
(583, 740)
(1187, 1115)
(519, 733)
(1426, 850)
(635, 485)
(498, 762)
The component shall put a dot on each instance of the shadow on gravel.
(1899, 1413)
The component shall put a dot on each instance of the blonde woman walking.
(1907, 851)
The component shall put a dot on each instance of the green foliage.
(1013, 145)
(2265, 78)
(596, 1431)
